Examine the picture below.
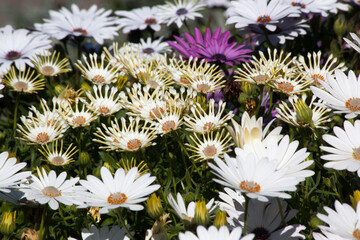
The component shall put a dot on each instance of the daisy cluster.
(207, 122)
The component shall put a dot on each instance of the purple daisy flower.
(217, 47)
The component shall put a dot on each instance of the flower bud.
(84, 158)
(86, 87)
(220, 219)
(58, 89)
(154, 206)
(340, 26)
(7, 224)
(201, 213)
(95, 214)
(303, 112)
(355, 198)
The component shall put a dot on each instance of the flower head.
(24, 81)
(218, 47)
(57, 157)
(214, 233)
(49, 65)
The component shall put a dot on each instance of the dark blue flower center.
(148, 50)
(298, 4)
(261, 233)
(219, 57)
(150, 21)
(181, 11)
(12, 55)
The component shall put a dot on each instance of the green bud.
(315, 222)
(201, 213)
(340, 26)
(59, 89)
(220, 219)
(7, 224)
(303, 112)
(84, 158)
(154, 206)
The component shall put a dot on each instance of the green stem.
(281, 212)
(15, 112)
(246, 214)
(122, 222)
(43, 225)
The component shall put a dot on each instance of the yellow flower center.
(356, 233)
(168, 125)
(210, 150)
(21, 86)
(42, 137)
(47, 70)
(208, 126)
(261, 78)
(51, 191)
(264, 19)
(79, 120)
(134, 144)
(203, 87)
(58, 160)
(104, 110)
(251, 186)
(98, 79)
(356, 153)
(156, 112)
(316, 77)
(353, 104)
(117, 198)
(184, 80)
(286, 87)
(153, 84)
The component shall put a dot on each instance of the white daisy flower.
(259, 12)
(130, 137)
(291, 86)
(284, 155)
(125, 189)
(170, 120)
(24, 81)
(204, 121)
(36, 132)
(316, 6)
(232, 202)
(179, 11)
(153, 48)
(106, 103)
(99, 74)
(93, 233)
(93, 22)
(51, 189)
(20, 46)
(344, 152)
(187, 213)
(316, 71)
(208, 147)
(49, 65)
(9, 172)
(344, 221)
(57, 157)
(290, 114)
(340, 93)
(78, 118)
(257, 178)
(251, 129)
(213, 233)
(139, 18)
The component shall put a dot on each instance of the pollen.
(316, 77)
(98, 79)
(356, 153)
(78, 120)
(184, 80)
(261, 78)
(286, 87)
(47, 70)
(80, 30)
(57, 160)
(353, 104)
(117, 198)
(208, 126)
(210, 150)
(298, 4)
(42, 137)
(134, 144)
(250, 186)
(21, 86)
(153, 84)
(264, 19)
(51, 191)
(356, 233)
(181, 11)
(203, 87)
(168, 125)
(104, 110)
(150, 21)
(156, 112)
